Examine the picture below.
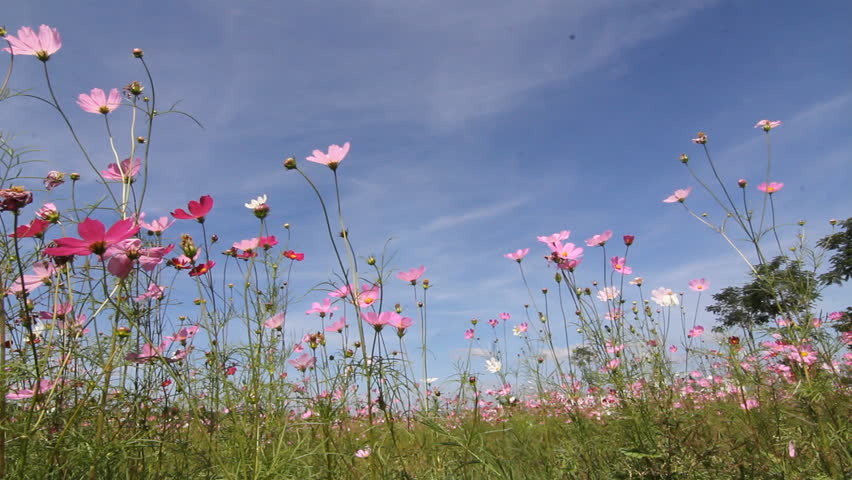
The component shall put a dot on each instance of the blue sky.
(475, 126)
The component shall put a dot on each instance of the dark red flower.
(201, 269)
(294, 255)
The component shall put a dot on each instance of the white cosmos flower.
(608, 293)
(429, 381)
(256, 202)
(664, 297)
(493, 365)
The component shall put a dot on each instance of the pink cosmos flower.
(341, 292)
(399, 322)
(493, 322)
(34, 229)
(94, 238)
(618, 264)
(53, 179)
(154, 291)
(411, 275)
(122, 255)
(332, 159)
(468, 334)
(41, 275)
(202, 268)
(297, 256)
(565, 252)
(599, 240)
(275, 321)
(695, 332)
(673, 348)
(378, 320)
(43, 386)
(363, 453)
(247, 245)
(323, 309)
(303, 362)
(791, 447)
(48, 212)
(97, 101)
(750, 404)
(505, 316)
(42, 45)
(556, 237)
(267, 242)
(770, 187)
(148, 352)
(337, 326)
(157, 226)
(699, 285)
(368, 295)
(518, 255)
(183, 334)
(767, 125)
(197, 210)
(678, 196)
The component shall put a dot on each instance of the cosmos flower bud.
(138, 53)
(425, 283)
(801, 223)
(558, 277)
(133, 89)
(628, 239)
(290, 163)
(74, 176)
(700, 138)
(140, 140)
(684, 158)
(471, 380)
(832, 222)
(398, 308)
(188, 246)
(122, 332)
(474, 321)
(371, 260)
(2, 32)
(742, 183)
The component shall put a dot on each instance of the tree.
(841, 262)
(778, 288)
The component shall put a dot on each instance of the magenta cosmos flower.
(556, 237)
(770, 187)
(518, 255)
(678, 195)
(412, 275)
(42, 44)
(332, 159)
(323, 309)
(97, 102)
(619, 265)
(197, 210)
(124, 172)
(378, 320)
(94, 238)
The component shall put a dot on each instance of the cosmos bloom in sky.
(42, 44)
(97, 102)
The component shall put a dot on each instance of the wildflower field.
(145, 347)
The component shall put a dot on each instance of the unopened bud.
(684, 158)
(558, 277)
(74, 176)
(140, 140)
(801, 223)
(122, 332)
(742, 183)
(138, 53)
(290, 163)
(628, 239)
(832, 222)
(398, 308)
(371, 260)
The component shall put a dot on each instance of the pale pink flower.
(599, 240)
(97, 101)
(518, 255)
(411, 275)
(48, 212)
(556, 237)
(750, 404)
(275, 321)
(53, 179)
(770, 187)
(43, 386)
(154, 291)
(337, 326)
(608, 293)
(695, 332)
(791, 447)
(42, 44)
(618, 264)
(364, 452)
(378, 320)
(157, 226)
(468, 334)
(505, 316)
(122, 255)
(678, 195)
(183, 334)
(42, 273)
(368, 295)
(303, 362)
(148, 352)
(664, 297)
(123, 173)
(767, 125)
(673, 348)
(322, 309)
(566, 252)
(332, 159)
(699, 285)
(399, 322)
(520, 329)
